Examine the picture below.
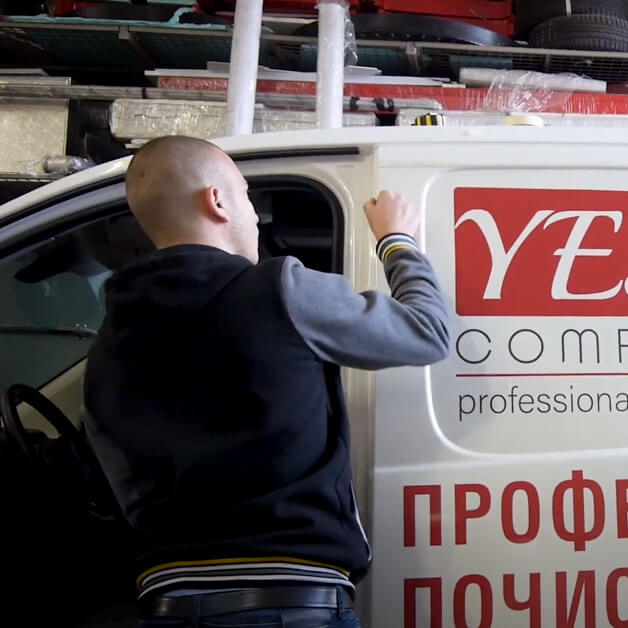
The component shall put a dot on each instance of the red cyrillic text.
(612, 598)
(621, 493)
(410, 493)
(579, 535)
(534, 512)
(464, 513)
(486, 601)
(585, 586)
(532, 604)
(435, 586)
(474, 602)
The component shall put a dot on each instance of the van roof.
(356, 137)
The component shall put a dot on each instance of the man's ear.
(213, 203)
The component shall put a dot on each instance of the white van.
(494, 485)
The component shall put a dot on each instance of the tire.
(605, 33)
(404, 27)
(531, 13)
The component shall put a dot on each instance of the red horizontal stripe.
(486, 375)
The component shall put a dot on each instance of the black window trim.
(292, 153)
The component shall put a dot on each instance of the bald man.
(214, 403)
(179, 189)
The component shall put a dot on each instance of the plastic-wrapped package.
(65, 164)
(351, 47)
(31, 129)
(270, 120)
(526, 91)
(504, 94)
(146, 119)
(527, 79)
(141, 120)
(55, 165)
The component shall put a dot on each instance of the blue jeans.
(274, 618)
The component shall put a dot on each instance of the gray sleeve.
(370, 330)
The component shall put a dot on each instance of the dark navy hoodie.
(214, 404)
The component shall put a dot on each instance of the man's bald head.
(166, 178)
(185, 190)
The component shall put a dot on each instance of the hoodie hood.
(167, 290)
(179, 280)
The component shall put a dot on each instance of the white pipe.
(247, 29)
(330, 64)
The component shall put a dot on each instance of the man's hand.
(392, 213)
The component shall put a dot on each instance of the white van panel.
(482, 483)
(500, 522)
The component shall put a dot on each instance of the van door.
(500, 484)
(54, 261)
(340, 181)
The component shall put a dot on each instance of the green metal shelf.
(125, 46)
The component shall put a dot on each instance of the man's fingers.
(384, 195)
(370, 204)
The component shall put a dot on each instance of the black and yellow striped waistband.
(238, 571)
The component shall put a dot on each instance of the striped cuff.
(394, 242)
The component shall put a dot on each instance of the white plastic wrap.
(55, 166)
(270, 120)
(65, 164)
(30, 130)
(146, 119)
(351, 47)
(332, 16)
(350, 44)
(524, 79)
(142, 120)
(243, 67)
(526, 91)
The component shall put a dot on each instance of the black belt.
(247, 600)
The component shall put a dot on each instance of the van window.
(299, 217)
(52, 294)
(52, 298)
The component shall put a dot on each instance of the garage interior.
(84, 83)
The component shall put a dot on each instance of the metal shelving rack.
(124, 47)
(108, 60)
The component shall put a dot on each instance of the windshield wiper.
(78, 331)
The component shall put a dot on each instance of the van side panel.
(500, 486)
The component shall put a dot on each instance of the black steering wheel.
(20, 393)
